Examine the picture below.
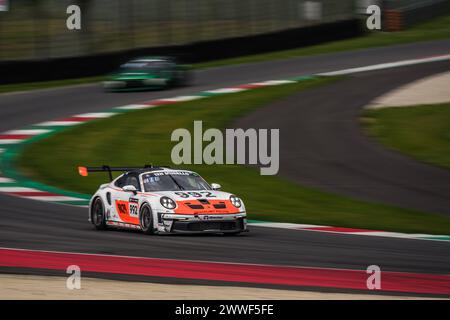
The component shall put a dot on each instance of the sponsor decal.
(173, 173)
(122, 207)
(128, 212)
(212, 217)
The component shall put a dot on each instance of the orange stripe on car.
(123, 209)
(194, 206)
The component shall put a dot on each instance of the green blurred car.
(148, 73)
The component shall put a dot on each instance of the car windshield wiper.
(176, 182)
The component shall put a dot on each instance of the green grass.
(143, 137)
(438, 28)
(423, 132)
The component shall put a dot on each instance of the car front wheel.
(98, 215)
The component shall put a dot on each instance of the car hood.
(183, 195)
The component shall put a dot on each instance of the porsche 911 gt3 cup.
(148, 72)
(158, 200)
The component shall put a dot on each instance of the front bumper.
(202, 223)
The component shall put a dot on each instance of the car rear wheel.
(98, 215)
(146, 219)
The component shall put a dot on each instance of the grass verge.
(438, 28)
(144, 137)
(423, 132)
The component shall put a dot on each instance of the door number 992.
(133, 210)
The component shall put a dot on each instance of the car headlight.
(167, 203)
(235, 201)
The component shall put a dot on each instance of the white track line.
(28, 131)
(10, 141)
(58, 123)
(183, 98)
(283, 225)
(133, 107)
(386, 65)
(273, 82)
(18, 189)
(96, 115)
(53, 198)
(226, 90)
(389, 234)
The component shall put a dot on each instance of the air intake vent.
(220, 205)
(203, 201)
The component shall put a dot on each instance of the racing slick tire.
(98, 214)
(146, 219)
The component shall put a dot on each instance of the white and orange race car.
(160, 200)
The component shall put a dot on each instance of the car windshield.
(140, 66)
(174, 181)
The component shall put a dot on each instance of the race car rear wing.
(83, 171)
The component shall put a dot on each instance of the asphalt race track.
(17, 110)
(38, 225)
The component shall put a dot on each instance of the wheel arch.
(146, 203)
(91, 205)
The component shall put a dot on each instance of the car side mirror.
(130, 188)
(215, 186)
